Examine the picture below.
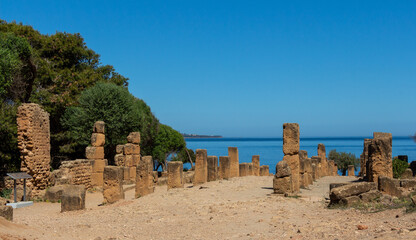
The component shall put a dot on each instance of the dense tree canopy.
(343, 159)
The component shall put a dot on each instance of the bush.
(399, 166)
(343, 159)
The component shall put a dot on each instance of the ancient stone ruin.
(175, 175)
(264, 170)
(291, 151)
(224, 167)
(213, 174)
(246, 169)
(113, 184)
(201, 167)
(128, 157)
(351, 170)
(380, 162)
(73, 198)
(364, 158)
(305, 169)
(33, 135)
(234, 162)
(95, 153)
(144, 177)
(256, 165)
(324, 163)
(282, 181)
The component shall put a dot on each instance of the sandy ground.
(240, 208)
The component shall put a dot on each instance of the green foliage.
(343, 159)
(9, 153)
(184, 154)
(168, 141)
(399, 167)
(114, 105)
(5, 193)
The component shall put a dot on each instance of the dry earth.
(241, 208)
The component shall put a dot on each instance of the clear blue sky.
(243, 68)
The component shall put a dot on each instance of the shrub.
(343, 159)
(399, 166)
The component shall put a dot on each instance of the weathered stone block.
(293, 162)
(335, 185)
(54, 194)
(99, 127)
(120, 160)
(6, 212)
(132, 173)
(94, 152)
(350, 201)
(322, 155)
(303, 154)
(144, 177)
(264, 170)
(244, 169)
(353, 189)
(282, 185)
(73, 198)
(390, 186)
(113, 184)
(380, 157)
(97, 179)
(250, 169)
(370, 196)
(175, 175)
(255, 159)
(98, 165)
(119, 149)
(130, 149)
(224, 167)
(212, 168)
(283, 169)
(408, 184)
(134, 137)
(291, 138)
(234, 162)
(351, 171)
(97, 140)
(408, 174)
(201, 167)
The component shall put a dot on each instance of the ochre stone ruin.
(291, 151)
(234, 162)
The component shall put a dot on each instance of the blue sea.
(270, 149)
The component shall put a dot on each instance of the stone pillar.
(314, 172)
(113, 184)
(224, 167)
(244, 169)
(128, 156)
(331, 165)
(351, 170)
(380, 162)
(256, 165)
(144, 177)
(234, 162)
(291, 151)
(175, 175)
(212, 168)
(250, 169)
(303, 175)
(364, 158)
(282, 181)
(324, 163)
(317, 161)
(201, 167)
(33, 136)
(95, 154)
(264, 170)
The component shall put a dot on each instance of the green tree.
(343, 159)
(9, 153)
(185, 155)
(399, 166)
(168, 142)
(114, 105)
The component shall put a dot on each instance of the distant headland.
(186, 135)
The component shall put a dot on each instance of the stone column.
(144, 177)
(303, 175)
(33, 136)
(113, 184)
(256, 165)
(317, 161)
(291, 150)
(95, 154)
(264, 170)
(324, 163)
(224, 167)
(234, 162)
(175, 175)
(380, 162)
(212, 168)
(364, 158)
(201, 167)
(351, 170)
(244, 169)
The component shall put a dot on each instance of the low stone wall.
(77, 172)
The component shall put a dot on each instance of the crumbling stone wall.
(76, 172)
(380, 162)
(33, 135)
(291, 151)
(128, 156)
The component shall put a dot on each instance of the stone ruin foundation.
(201, 167)
(282, 181)
(246, 169)
(291, 151)
(144, 177)
(95, 154)
(175, 175)
(256, 165)
(212, 162)
(33, 135)
(76, 172)
(128, 157)
(234, 162)
(113, 184)
(224, 167)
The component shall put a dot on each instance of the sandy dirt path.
(240, 208)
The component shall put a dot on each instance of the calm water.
(270, 149)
